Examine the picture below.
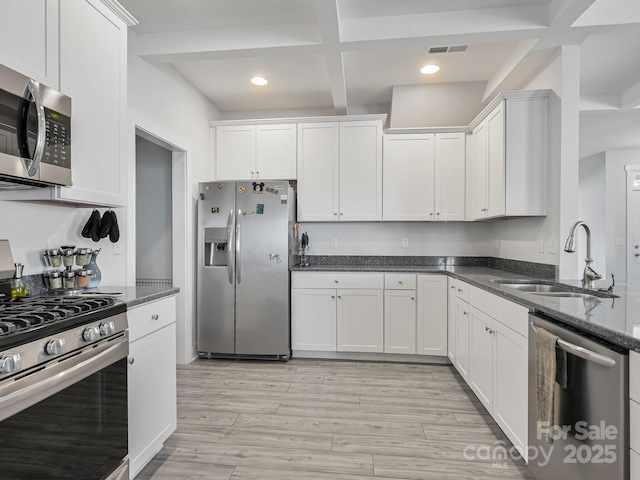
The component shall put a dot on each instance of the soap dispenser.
(18, 287)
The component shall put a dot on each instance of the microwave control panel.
(57, 149)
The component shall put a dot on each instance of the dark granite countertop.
(614, 320)
(134, 296)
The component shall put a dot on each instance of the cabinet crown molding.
(270, 121)
(515, 95)
(120, 12)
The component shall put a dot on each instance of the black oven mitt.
(114, 232)
(105, 225)
(93, 218)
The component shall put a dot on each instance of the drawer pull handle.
(155, 316)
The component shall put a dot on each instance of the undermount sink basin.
(551, 289)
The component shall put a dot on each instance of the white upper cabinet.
(29, 39)
(255, 152)
(340, 171)
(506, 168)
(318, 171)
(93, 72)
(424, 177)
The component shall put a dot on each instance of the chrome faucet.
(590, 275)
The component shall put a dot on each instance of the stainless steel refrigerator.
(245, 244)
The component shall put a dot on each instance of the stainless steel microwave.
(35, 133)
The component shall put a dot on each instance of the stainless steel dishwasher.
(590, 436)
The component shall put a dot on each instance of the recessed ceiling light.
(260, 81)
(429, 69)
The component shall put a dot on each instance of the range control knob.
(10, 363)
(55, 346)
(91, 334)
(107, 328)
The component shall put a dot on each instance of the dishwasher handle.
(582, 352)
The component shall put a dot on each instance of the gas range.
(35, 331)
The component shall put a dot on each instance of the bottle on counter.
(18, 287)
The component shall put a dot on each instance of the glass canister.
(83, 277)
(69, 279)
(96, 276)
(55, 280)
(68, 257)
(83, 256)
(54, 257)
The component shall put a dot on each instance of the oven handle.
(25, 392)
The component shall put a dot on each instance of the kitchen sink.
(552, 289)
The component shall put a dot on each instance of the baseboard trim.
(370, 357)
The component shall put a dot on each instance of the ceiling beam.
(508, 65)
(329, 22)
(564, 13)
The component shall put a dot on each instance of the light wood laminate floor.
(329, 420)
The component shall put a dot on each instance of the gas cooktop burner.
(24, 315)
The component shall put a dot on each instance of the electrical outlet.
(551, 245)
(541, 246)
(405, 242)
(334, 242)
(52, 241)
(117, 249)
(619, 242)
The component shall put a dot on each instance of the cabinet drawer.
(634, 423)
(506, 312)
(399, 281)
(337, 280)
(149, 317)
(462, 290)
(634, 376)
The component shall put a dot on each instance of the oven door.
(68, 420)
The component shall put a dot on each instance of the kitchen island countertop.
(134, 296)
(614, 320)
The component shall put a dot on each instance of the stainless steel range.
(63, 388)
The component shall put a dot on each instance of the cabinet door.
(408, 177)
(510, 384)
(360, 320)
(496, 163)
(235, 152)
(313, 319)
(477, 187)
(450, 176)
(29, 39)
(152, 394)
(93, 72)
(462, 338)
(361, 171)
(451, 320)
(276, 152)
(318, 172)
(432, 315)
(400, 321)
(481, 372)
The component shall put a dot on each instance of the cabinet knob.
(400, 282)
(132, 361)
(340, 297)
(341, 213)
(413, 298)
(465, 313)
(155, 316)
(336, 281)
(437, 213)
(335, 213)
(431, 214)
(459, 290)
(453, 287)
(333, 296)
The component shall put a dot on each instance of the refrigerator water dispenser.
(215, 247)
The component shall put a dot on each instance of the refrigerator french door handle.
(238, 256)
(230, 243)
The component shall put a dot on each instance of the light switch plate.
(541, 246)
(334, 242)
(405, 242)
(551, 245)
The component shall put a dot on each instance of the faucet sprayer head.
(570, 246)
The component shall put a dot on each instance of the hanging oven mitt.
(95, 226)
(94, 217)
(114, 233)
(105, 226)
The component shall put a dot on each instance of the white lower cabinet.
(463, 337)
(481, 357)
(360, 322)
(634, 414)
(451, 319)
(400, 321)
(313, 314)
(432, 315)
(151, 379)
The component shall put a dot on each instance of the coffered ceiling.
(344, 56)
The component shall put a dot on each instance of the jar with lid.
(55, 280)
(83, 256)
(83, 277)
(68, 257)
(69, 279)
(53, 258)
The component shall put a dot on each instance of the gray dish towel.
(546, 372)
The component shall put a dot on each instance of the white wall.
(425, 239)
(153, 211)
(616, 208)
(592, 209)
(28, 224)
(163, 103)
